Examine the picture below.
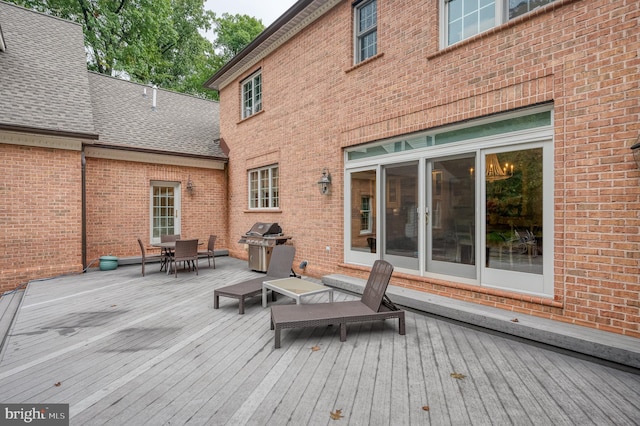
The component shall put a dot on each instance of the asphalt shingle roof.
(43, 73)
(45, 85)
(180, 123)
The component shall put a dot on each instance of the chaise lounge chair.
(279, 267)
(373, 305)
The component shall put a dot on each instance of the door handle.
(426, 215)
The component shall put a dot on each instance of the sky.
(266, 10)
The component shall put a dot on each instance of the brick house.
(86, 157)
(480, 147)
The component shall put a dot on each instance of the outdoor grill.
(261, 239)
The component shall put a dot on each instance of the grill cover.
(260, 228)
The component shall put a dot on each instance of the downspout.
(84, 212)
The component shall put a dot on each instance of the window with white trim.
(465, 18)
(366, 30)
(264, 190)
(164, 206)
(252, 95)
(366, 222)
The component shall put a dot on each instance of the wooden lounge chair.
(279, 267)
(373, 305)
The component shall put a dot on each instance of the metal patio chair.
(146, 258)
(210, 252)
(186, 251)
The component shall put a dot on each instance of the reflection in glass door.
(401, 225)
(514, 211)
(362, 216)
(514, 214)
(451, 231)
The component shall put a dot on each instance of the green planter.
(108, 263)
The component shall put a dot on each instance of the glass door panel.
(451, 230)
(514, 211)
(401, 215)
(518, 209)
(165, 205)
(362, 216)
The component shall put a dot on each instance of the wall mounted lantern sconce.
(636, 151)
(190, 186)
(325, 182)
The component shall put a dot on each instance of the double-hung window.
(465, 18)
(252, 95)
(264, 191)
(366, 30)
(366, 222)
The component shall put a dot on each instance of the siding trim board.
(153, 158)
(41, 141)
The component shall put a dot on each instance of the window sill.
(363, 63)
(242, 120)
(265, 210)
(527, 16)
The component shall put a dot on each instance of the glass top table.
(294, 288)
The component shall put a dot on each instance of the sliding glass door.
(401, 215)
(515, 216)
(451, 211)
(471, 203)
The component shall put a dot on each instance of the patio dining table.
(168, 247)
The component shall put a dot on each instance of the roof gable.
(180, 124)
(43, 73)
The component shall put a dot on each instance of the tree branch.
(119, 9)
(88, 22)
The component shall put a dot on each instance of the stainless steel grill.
(261, 239)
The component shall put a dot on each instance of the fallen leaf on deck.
(425, 407)
(515, 320)
(58, 384)
(458, 376)
(336, 415)
(315, 348)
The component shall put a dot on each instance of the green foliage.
(154, 41)
(234, 32)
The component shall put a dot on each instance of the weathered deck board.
(129, 350)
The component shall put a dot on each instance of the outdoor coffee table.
(294, 288)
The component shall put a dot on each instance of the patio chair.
(146, 258)
(372, 306)
(186, 251)
(167, 253)
(279, 267)
(210, 251)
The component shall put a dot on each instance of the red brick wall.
(40, 214)
(118, 205)
(580, 55)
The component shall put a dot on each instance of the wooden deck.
(126, 350)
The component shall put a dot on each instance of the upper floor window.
(466, 18)
(264, 189)
(252, 95)
(366, 30)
